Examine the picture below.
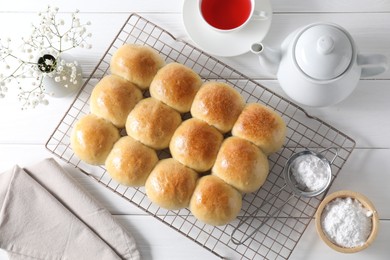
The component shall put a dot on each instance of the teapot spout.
(268, 57)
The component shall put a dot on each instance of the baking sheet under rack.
(280, 235)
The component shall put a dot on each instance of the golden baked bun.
(214, 201)
(136, 63)
(130, 162)
(152, 123)
(171, 184)
(195, 144)
(176, 85)
(262, 126)
(218, 104)
(113, 98)
(92, 139)
(241, 164)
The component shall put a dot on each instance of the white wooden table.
(364, 115)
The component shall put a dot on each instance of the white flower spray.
(40, 57)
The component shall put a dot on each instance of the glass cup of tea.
(229, 15)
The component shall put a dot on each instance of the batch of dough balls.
(218, 154)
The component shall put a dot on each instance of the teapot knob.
(325, 45)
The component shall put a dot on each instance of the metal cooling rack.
(279, 236)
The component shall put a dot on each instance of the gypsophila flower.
(42, 56)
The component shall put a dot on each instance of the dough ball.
(215, 202)
(130, 162)
(241, 164)
(171, 184)
(152, 123)
(262, 126)
(92, 139)
(113, 98)
(176, 85)
(136, 63)
(218, 104)
(196, 144)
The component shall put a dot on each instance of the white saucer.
(224, 44)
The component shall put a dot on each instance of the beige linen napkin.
(45, 214)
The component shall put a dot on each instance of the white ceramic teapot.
(318, 65)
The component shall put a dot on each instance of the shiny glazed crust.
(218, 104)
(262, 126)
(113, 98)
(92, 139)
(152, 123)
(176, 85)
(215, 202)
(196, 144)
(136, 63)
(130, 162)
(241, 164)
(171, 184)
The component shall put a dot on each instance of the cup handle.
(372, 64)
(260, 15)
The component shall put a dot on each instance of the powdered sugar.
(310, 172)
(346, 222)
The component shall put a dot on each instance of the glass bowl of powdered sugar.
(308, 173)
(347, 221)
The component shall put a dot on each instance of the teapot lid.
(323, 51)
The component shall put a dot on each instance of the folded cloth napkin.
(45, 214)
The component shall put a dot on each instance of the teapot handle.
(372, 64)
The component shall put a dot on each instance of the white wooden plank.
(299, 6)
(368, 124)
(311, 247)
(33, 125)
(24, 155)
(369, 127)
(103, 33)
(155, 241)
(347, 6)
(370, 32)
(363, 115)
(117, 6)
(366, 171)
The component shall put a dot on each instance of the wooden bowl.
(365, 203)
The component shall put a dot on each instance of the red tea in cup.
(226, 14)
